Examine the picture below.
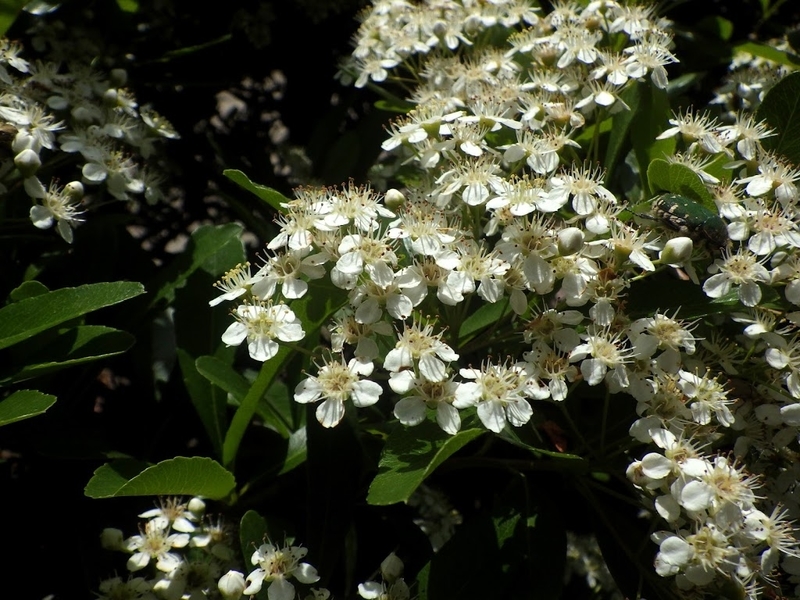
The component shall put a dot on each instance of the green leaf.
(195, 476)
(209, 401)
(504, 553)
(411, 454)
(72, 347)
(314, 309)
(223, 376)
(207, 242)
(24, 404)
(28, 289)
(9, 9)
(679, 179)
(649, 121)
(296, 452)
(487, 315)
(762, 51)
(253, 531)
(272, 197)
(781, 110)
(621, 124)
(128, 6)
(28, 317)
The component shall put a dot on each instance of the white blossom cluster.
(505, 208)
(748, 80)
(54, 115)
(182, 554)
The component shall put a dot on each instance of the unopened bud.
(110, 96)
(391, 568)
(570, 241)
(119, 77)
(677, 251)
(231, 585)
(28, 162)
(74, 189)
(111, 539)
(197, 507)
(394, 199)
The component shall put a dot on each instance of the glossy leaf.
(195, 476)
(28, 289)
(781, 110)
(28, 317)
(24, 404)
(272, 197)
(411, 454)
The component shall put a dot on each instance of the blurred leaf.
(505, 553)
(716, 26)
(272, 197)
(763, 51)
(24, 404)
(206, 243)
(781, 110)
(27, 317)
(411, 454)
(9, 9)
(208, 400)
(72, 347)
(394, 105)
(195, 476)
(128, 6)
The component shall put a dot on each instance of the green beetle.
(690, 218)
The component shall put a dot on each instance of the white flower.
(500, 393)
(234, 283)
(276, 566)
(742, 269)
(58, 205)
(155, 543)
(260, 324)
(420, 345)
(336, 382)
(438, 395)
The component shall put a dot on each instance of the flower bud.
(570, 241)
(391, 568)
(231, 585)
(111, 539)
(394, 199)
(119, 77)
(74, 189)
(677, 251)
(28, 162)
(110, 97)
(197, 507)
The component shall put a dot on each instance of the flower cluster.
(180, 554)
(52, 115)
(505, 215)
